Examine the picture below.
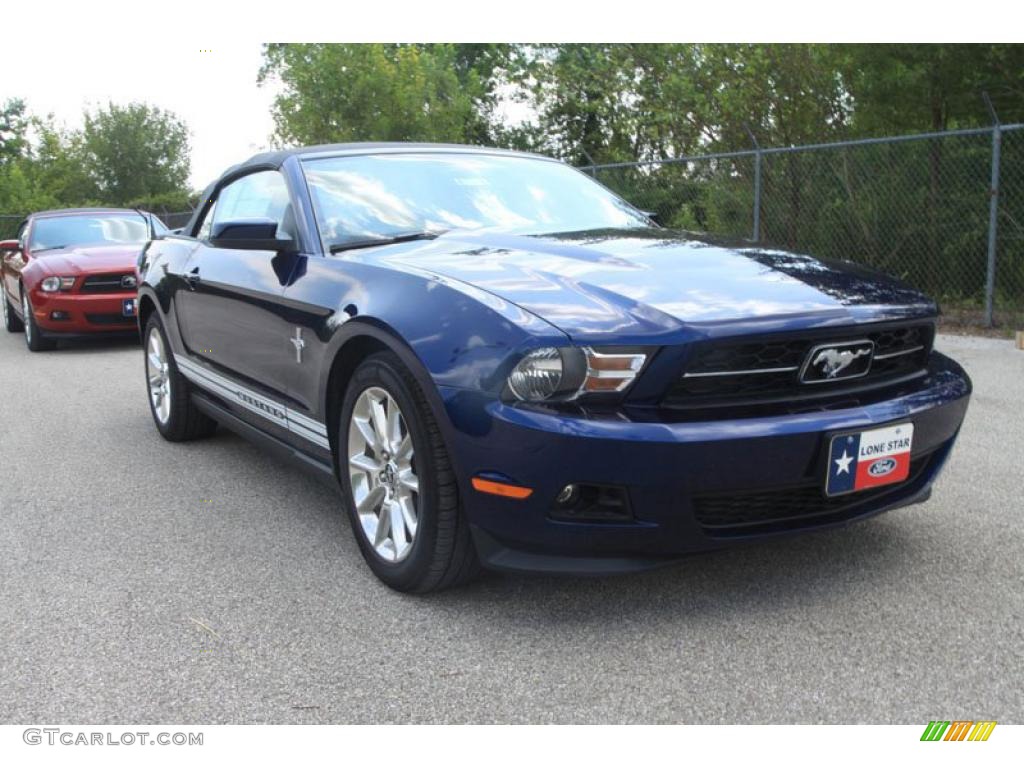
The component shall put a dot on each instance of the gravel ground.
(145, 582)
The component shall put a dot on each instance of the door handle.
(192, 277)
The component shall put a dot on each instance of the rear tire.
(34, 340)
(175, 415)
(11, 321)
(437, 552)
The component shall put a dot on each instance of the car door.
(229, 310)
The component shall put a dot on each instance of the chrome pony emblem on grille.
(829, 362)
(128, 281)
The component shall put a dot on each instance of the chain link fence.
(918, 207)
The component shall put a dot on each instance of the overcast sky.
(215, 93)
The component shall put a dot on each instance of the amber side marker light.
(501, 489)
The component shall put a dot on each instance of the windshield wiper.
(405, 237)
(50, 248)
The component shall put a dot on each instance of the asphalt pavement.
(146, 582)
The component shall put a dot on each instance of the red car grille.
(108, 319)
(108, 283)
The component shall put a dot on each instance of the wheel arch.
(147, 306)
(358, 339)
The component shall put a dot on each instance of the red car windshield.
(64, 231)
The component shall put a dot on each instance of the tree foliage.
(381, 92)
(134, 155)
(13, 125)
(134, 152)
(613, 102)
(909, 88)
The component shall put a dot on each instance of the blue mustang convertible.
(505, 365)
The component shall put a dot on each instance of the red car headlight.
(51, 284)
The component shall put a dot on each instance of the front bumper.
(84, 314)
(668, 468)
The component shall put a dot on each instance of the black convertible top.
(275, 158)
(76, 211)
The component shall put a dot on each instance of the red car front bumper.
(73, 314)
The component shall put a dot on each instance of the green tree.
(58, 166)
(134, 151)
(912, 87)
(13, 127)
(381, 92)
(614, 102)
(585, 99)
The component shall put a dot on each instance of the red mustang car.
(72, 273)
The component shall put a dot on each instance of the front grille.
(779, 509)
(109, 319)
(106, 283)
(767, 369)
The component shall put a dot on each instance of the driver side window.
(261, 195)
(207, 225)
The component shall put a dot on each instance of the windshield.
(78, 229)
(368, 197)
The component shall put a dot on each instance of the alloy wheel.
(26, 310)
(385, 488)
(158, 377)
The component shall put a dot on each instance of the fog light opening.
(59, 315)
(568, 495)
(585, 502)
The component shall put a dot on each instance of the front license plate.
(128, 308)
(861, 460)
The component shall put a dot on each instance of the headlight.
(51, 284)
(565, 373)
(539, 375)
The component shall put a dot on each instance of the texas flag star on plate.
(860, 460)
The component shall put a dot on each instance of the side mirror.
(654, 216)
(9, 245)
(248, 235)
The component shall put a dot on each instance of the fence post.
(592, 169)
(993, 216)
(757, 186)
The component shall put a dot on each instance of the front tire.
(175, 415)
(34, 340)
(398, 484)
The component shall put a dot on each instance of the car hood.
(90, 259)
(653, 281)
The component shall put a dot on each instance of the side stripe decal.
(298, 424)
(310, 424)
